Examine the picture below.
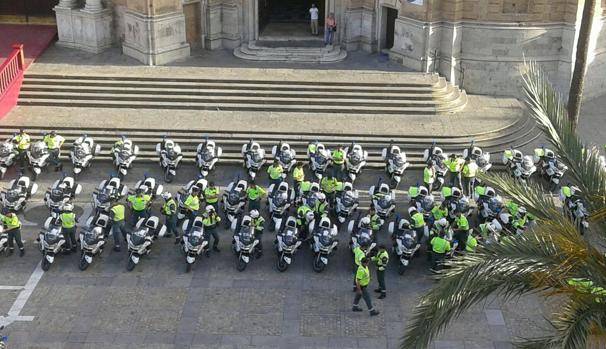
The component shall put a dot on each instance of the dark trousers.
(191, 216)
(14, 235)
(454, 180)
(259, 235)
(171, 224)
(70, 237)
(436, 259)
(275, 182)
(296, 187)
(53, 157)
(119, 232)
(364, 294)
(22, 158)
(461, 236)
(468, 184)
(138, 215)
(381, 279)
(212, 231)
(215, 205)
(254, 204)
(429, 186)
(338, 171)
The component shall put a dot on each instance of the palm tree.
(580, 66)
(546, 258)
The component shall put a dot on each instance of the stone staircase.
(429, 95)
(260, 51)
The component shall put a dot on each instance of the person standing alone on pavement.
(12, 226)
(381, 259)
(329, 29)
(313, 12)
(362, 281)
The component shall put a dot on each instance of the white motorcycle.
(481, 158)
(319, 159)
(574, 207)
(52, 242)
(361, 236)
(324, 243)
(3, 240)
(279, 200)
(383, 200)
(437, 155)
(521, 167)
(20, 190)
(37, 156)
(8, 154)
(92, 241)
(194, 243)
(549, 167)
(61, 192)
(185, 191)
(150, 187)
(355, 160)
(395, 163)
(124, 156)
(83, 152)
(405, 243)
(245, 242)
(285, 155)
(170, 157)
(287, 244)
(109, 191)
(346, 203)
(207, 155)
(234, 200)
(141, 238)
(254, 158)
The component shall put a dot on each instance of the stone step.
(290, 54)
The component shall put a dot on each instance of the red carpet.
(35, 39)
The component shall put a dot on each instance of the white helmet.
(210, 208)
(441, 223)
(68, 207)
(166, 195)
(254, 214)
(411, 210)
(365, 221)
(321, 196)
(522, 211)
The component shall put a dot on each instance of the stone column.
(93, 6)
(155, 31)
(67, 4)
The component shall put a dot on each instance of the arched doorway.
(28, 11)
(288, 19)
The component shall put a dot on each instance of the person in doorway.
(329, 29)
(313, 12)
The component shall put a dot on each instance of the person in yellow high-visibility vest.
(139, 203)
(362, 281)
(338, 162)
(68, 227)
(470, 171)
(54, 142)
(455, 166)
(22, 142)
(298, 176)
(12, 226)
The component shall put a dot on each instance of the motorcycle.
(207, 155)
(490, 209)
(346, 203)
(37, 156)
(383, 200)
(20, 190)
(481, 158)
(395, 163)
(245, 242)
(405, 243)
(3, 339)
(355, 160)
(92, 242)
(549, 167)
(150, 187)
(185, 191)
(254, 158)
(324, 243)
(8, 153)
(109, 191)
(141, 238)
(61, 192)
(279, 200)
(3, 240)
(52, 242)
(124, 155)
(170, 157)
(574, 207)
(234, 200)
(319, 159)
(285, 155)
(361, 236)
(438, 156)
(455, 201)
(309, 198)
(194, 243)
(521, 167)
(83, 152)
(420, 198)
(287, 244)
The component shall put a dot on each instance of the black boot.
(21, 252)
(383, 295)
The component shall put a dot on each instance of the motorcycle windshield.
(355, 158)
(285, 157)
(52, 237)
(348, 200)
(172, 155)
(246, 236)
(90, 238)
(56, 195)
(280, 200)
(206, 156)
(256, 157)
(527, 164)
(233, 197)
(196, 237)
(5, 150)
(289, 238)
(38, 150)
(103, 198)
(320, 159)
(494, 205)
(12, 195)
(80, 152)
(385, 203)
(324, 238)
(138, 237)
(427, 203)
(463, 205)
(408, 241)
(124, 155)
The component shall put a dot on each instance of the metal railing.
(11, 71)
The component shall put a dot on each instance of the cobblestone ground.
(160, 306)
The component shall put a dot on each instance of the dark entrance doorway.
(24, 10)
(390, 26)
(295, 12)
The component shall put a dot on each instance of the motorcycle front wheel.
(188, 267)
(318, 265)
(130, 265)
(45, 264)
(240, 264)
(281, 265)
(402, 269)
(168, 177)
(83, 265)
